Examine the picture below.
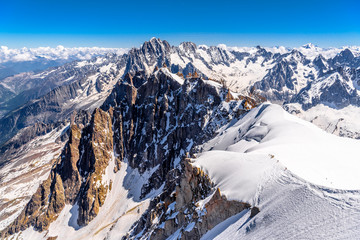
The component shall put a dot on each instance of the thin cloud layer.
(60, 52)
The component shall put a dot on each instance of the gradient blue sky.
(110, 23)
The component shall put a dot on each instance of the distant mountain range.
(308, 75)
(14, 61)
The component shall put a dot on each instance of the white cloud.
(60, 52)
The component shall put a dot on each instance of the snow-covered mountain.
(14, 61)
(179, 142)
(28, 63)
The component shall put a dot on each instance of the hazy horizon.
(137, 42)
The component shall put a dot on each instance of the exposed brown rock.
(52, 238)
(41, 210)
(96, 158)
(229, 97)
(254, 211)
(68, 168)
(118, 139)
(64, 183)
(217, 210)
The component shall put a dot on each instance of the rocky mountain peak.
(320, 62)
(155, 46)
(296, 55)
(344, 57)
(262, 52)
(188, 47)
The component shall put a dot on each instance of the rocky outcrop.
(43, 208)
(260, 53)
(75, 177)
(189, 205)
(321, 64)
(152, 53)
(68, 169)
(25, 135)
(254, 212)
(97, 151)
(58, 189)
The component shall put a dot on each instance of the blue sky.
(110, 23)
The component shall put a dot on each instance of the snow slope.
(22, 175)
(225, 167)
(309, 152)
(297, 174)
(291, 208)
(121, 209)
